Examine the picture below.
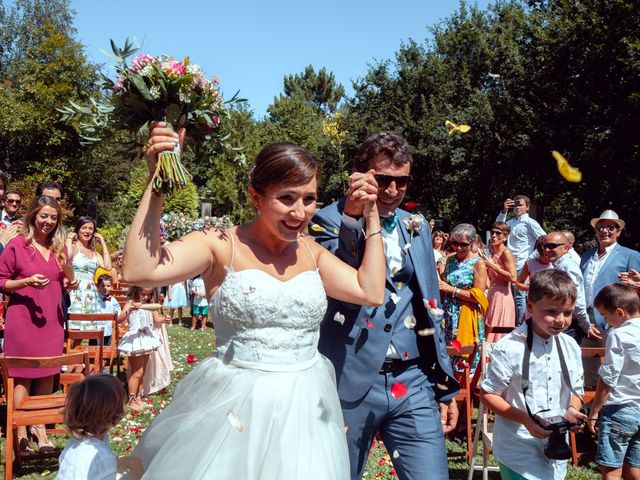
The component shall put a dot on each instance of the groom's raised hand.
(363, 188)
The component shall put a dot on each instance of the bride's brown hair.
(283, 164)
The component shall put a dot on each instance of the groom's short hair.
(390, 144)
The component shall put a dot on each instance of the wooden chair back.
(96, 352)
(111, 350)
(32, 409)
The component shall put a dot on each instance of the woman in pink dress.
(32, 269)
(501, 268)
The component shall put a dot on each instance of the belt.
(395, 365)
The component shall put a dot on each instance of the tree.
(319, 89)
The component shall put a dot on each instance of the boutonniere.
(414, 224)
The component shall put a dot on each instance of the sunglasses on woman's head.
(385, 180)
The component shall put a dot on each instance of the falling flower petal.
(338, 317)
(394, 298)
(45, 473)
(396, 454)
(191, 359)
(369, 323)
(346, 428)
(335, 231)
(431, 303)
(568, 172)
(410, 322)
(456, 345)
(398, 390)
(405, 354)
(442, 387)
(406, 247)
(317, 228)
(454, 127)
(410, 206)
(426, 332)
(234, 421)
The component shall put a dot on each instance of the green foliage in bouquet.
(156, 89)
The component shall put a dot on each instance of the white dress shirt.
(621, 367)
(522, 239)
(592, 269)
(566, 264)
(513, 445)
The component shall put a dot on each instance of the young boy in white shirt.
(525, 384)
(106, 304)
(615, 410)
(200, 304)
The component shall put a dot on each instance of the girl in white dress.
(140, 340)
(264, 405)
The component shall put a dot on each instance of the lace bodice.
(262, 320)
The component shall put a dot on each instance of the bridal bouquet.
(151, 89)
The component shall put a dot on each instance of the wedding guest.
(386, 370)
(264, 405)
(501, 269)
(32, 269)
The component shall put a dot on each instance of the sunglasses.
(608, 228)
(13, 200)
(455, 243)
(551, 246)
(496, 232)
(385, 180)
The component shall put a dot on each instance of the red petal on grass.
(191, 358)
(456, 345)
(398, 390)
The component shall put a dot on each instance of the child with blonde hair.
(92, 408)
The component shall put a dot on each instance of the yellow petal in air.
(317, 228)
(568, 172)
(454, 127)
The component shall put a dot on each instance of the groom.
(393, 372)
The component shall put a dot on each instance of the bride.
(265, 405)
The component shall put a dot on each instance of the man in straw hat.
(600, 267)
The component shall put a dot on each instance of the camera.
(438, 224)
(556, 447)
(517, 203)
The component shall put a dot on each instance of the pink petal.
(398, 390)
(456, 345)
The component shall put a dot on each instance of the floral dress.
(459, 274)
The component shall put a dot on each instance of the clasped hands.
(362, 194)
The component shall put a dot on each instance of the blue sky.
(252, 45)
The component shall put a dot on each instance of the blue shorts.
(203, 310)
(619, 436)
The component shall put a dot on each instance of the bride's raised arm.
(146, 263)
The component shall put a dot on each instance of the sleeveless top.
(265, 323)
(84, 267)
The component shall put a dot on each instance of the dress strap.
(233, 250)
(310, 253)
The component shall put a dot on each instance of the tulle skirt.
(233, 422)
(139, 342)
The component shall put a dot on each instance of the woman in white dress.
(265, 405)
(81, 245)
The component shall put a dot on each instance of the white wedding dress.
(265, 405)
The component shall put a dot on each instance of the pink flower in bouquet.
(216, 120)
(140, 61)
(175, 68)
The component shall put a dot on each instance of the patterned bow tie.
(389, 223)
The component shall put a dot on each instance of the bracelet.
(367, 236)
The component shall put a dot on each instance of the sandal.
(24, 445)
(135, 404)
(35, 432)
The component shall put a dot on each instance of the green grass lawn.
(182, 341)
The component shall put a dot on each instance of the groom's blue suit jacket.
(358, 345)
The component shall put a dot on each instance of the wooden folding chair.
(465, 394)
(589, 394)
(96, 352)
(482, 432)
(111, 350)
(33, 409)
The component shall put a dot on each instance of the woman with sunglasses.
(501, 271)
(463, 285)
